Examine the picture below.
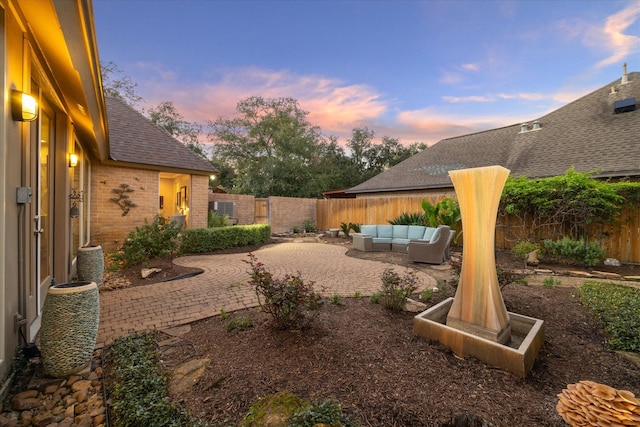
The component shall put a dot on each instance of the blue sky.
(419, 71)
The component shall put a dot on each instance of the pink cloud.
(434, 126)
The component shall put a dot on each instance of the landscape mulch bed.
(368, 359)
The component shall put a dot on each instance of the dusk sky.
(419, 71)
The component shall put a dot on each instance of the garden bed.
(369, 360)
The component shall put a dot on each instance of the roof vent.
(524, 127)
(625, 76)
(537, 125)
(624, 106)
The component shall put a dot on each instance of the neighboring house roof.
(585, 134)
(133, 138)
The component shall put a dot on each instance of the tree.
(167, 117)
(122, 88)
(372, 158)
(274, 150)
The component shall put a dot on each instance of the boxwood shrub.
(203, 240)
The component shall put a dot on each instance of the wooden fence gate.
(261, 211)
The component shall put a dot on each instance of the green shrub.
(396, 289)
(309, 226)
(336, 300)
(375, 298)
(347, 228)
(409, 219)
(617, 308)
(215, 220)
(327, 413)
(291, 303)
(203, 240)
(156, 240)
(589, 254)
(241, 323)
(426, 295)
(551, 282)
(524, 247)
(139, 393)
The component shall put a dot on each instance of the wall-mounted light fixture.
(73, 160)
(24, 107)
(75, 197)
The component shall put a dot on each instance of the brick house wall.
(198, 205)
(109, 228)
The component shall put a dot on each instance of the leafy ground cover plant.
(326, 413)
(139, 394)
(292, 303)
(396, 288)
(617, 307)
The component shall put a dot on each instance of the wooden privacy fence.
(621, 240)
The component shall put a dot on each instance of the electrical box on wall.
(23, 195)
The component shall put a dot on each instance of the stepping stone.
(606, 274)
(576, 273)
(178, 331)
(187, 375)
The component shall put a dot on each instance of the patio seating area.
(421, 244)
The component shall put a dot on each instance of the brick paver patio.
(223, 285)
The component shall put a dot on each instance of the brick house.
(158, 173)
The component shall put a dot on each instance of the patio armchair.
(436, 252)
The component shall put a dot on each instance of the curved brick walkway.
(223, 285)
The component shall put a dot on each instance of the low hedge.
(203, 240)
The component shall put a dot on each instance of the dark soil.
(369, 360)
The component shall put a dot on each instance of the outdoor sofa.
(422, 244)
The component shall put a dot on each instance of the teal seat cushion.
(369, 230)
(415, 232)
(435, 235)
(385, 231)
(428, 232)
(381, 240)
(400, 231)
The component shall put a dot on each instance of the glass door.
(43, 149)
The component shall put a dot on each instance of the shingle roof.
(135, 139)
(585, 134)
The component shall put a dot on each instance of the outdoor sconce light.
(24, 107)
(75, 197)
(73, 160)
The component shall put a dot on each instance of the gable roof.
(133, 138)
(585, 134)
